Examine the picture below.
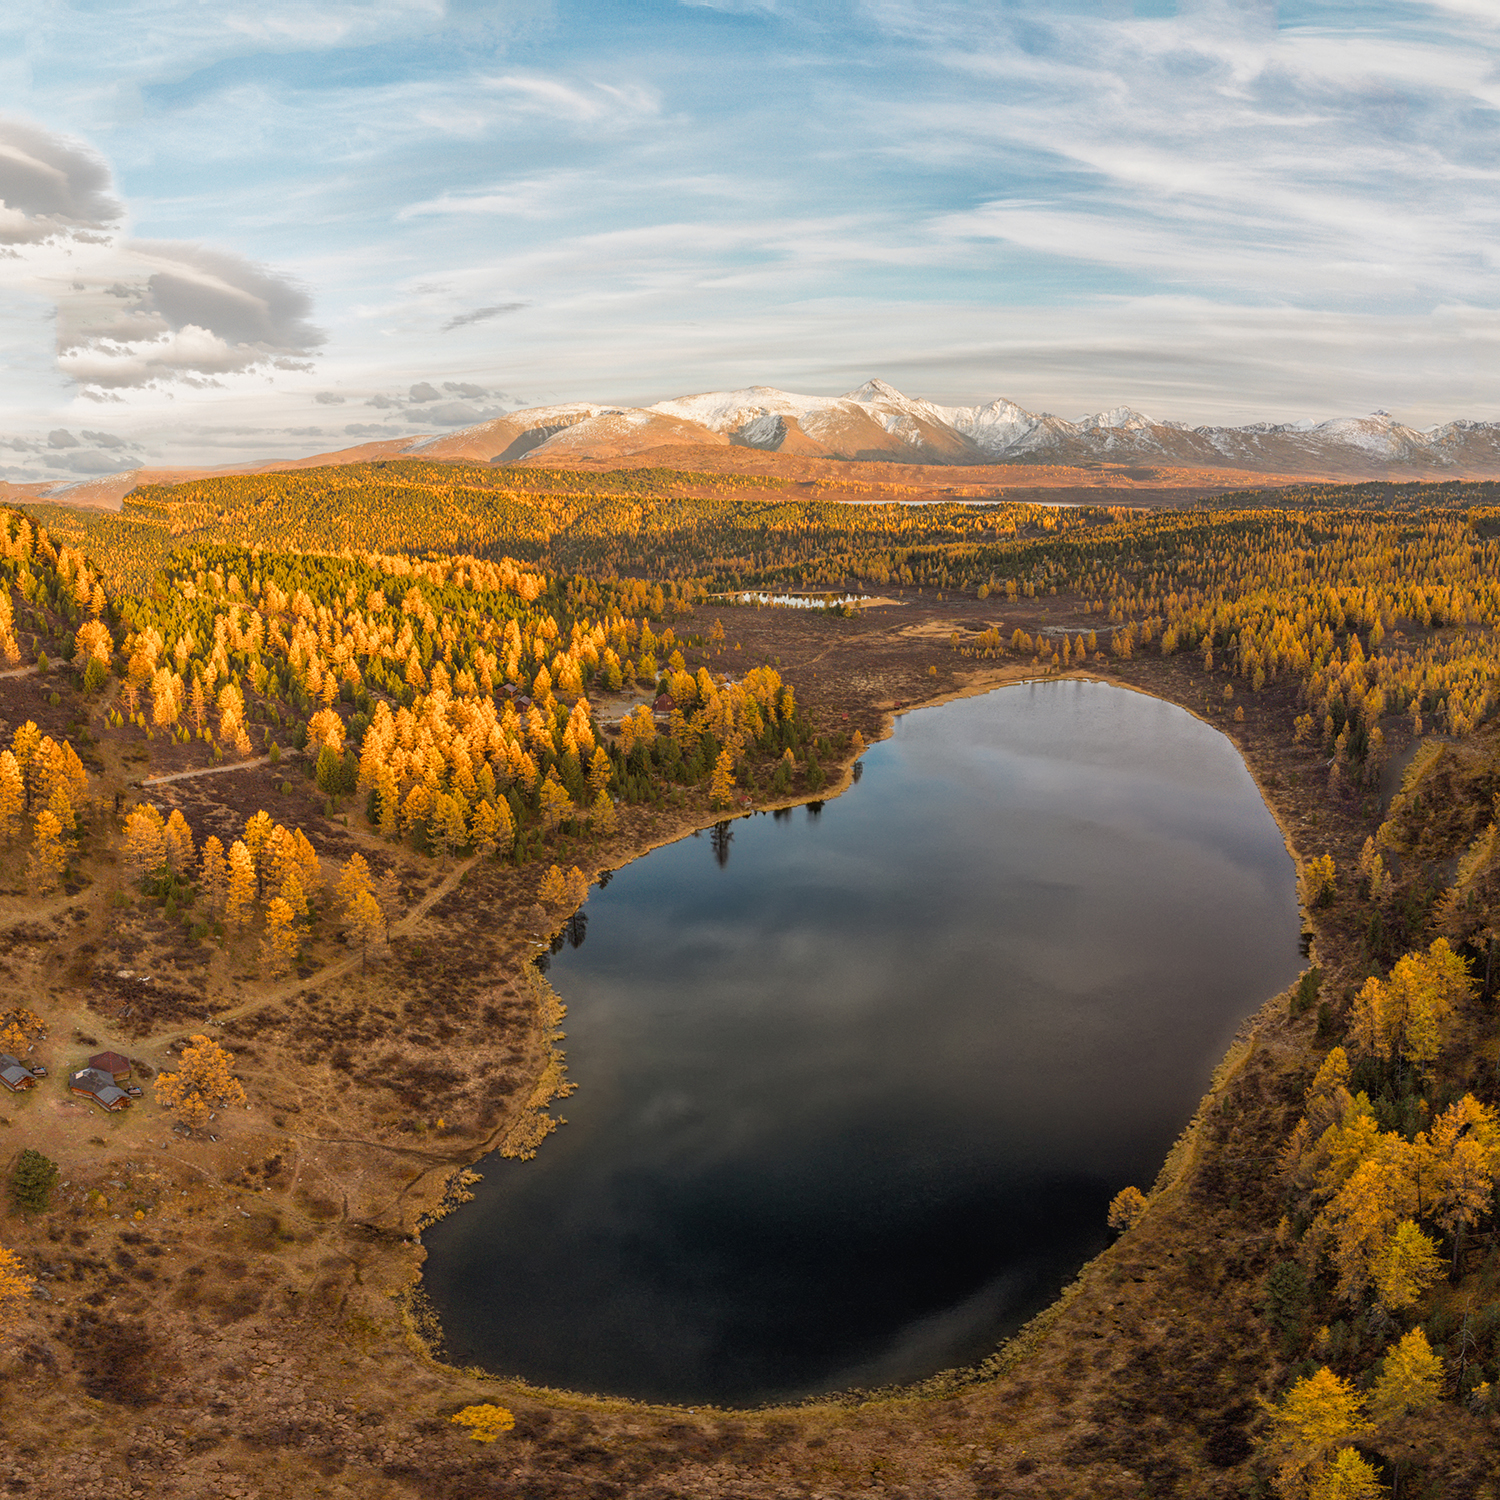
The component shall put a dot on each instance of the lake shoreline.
(945, 1382)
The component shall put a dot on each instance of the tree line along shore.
(289, 820)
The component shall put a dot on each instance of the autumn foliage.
(15, 1290)
(486, 1422)
(202, 1084)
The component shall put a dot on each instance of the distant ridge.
(877, 423)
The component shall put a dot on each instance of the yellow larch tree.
(292, 893)
(240, 896)
(1126, 1208)
(92, 643)
(213, 876)
(1410, 1380)
(278, 946)
(231, 704)
(12, 796)
(354, 877)
(167, 694)
(179, 843)
(450, 827)
(198, 706)
(55, 768)
(24, 744)
(416, 806)
(1463, 1154)
(388, 801)
(259, 831)
(326, 728)
(368, 922)
(10, 648)
(1346, 1476)
(1319, 1414)
(145, 840)
(506, 825)
(1318, 881)
(602, 816)
(48, 856)
(555, 802)
(1363, 1215)
(1405, 1267)
(554, 888)
(600, 770)
(1404, 1018)
(203, 1082)
(721, 786)
(309, 866)
(277, 856)
(15, 1291)
(485, 1423)
(484, 828)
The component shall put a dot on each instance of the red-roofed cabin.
(112, 1063)
(99, 1086)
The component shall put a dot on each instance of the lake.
(856, 1084)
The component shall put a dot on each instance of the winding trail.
(239, 765)
(329, 971)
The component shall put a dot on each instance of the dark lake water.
(855, 1086)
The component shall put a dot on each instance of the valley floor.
(239, 1316)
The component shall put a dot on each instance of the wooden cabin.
(98, 1086)
(14, 1074)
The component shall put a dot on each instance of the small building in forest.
(14, 1074)
(100, 1087)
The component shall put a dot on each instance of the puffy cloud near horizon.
(52, 188)
(179, 313)
(135, 313)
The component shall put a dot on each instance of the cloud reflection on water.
(851, 1105)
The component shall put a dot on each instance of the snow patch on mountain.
(877, 421)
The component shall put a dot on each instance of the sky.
(241, 229)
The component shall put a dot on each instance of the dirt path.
(329, 971)
(239, 765)
(19, 671)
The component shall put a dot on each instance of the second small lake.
(856, 1084)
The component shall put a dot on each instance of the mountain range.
(877, 423)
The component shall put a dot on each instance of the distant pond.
(856, 1084)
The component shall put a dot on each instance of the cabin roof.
(100, 1085)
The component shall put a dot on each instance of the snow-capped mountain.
(876, 422)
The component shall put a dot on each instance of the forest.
(432, 641)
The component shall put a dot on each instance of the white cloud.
(583, 104)
(51, 187)
(1214, 215)
(135, 313)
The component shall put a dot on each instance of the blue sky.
(240, 228)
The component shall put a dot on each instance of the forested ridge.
(1373, 612)
(434, 639)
